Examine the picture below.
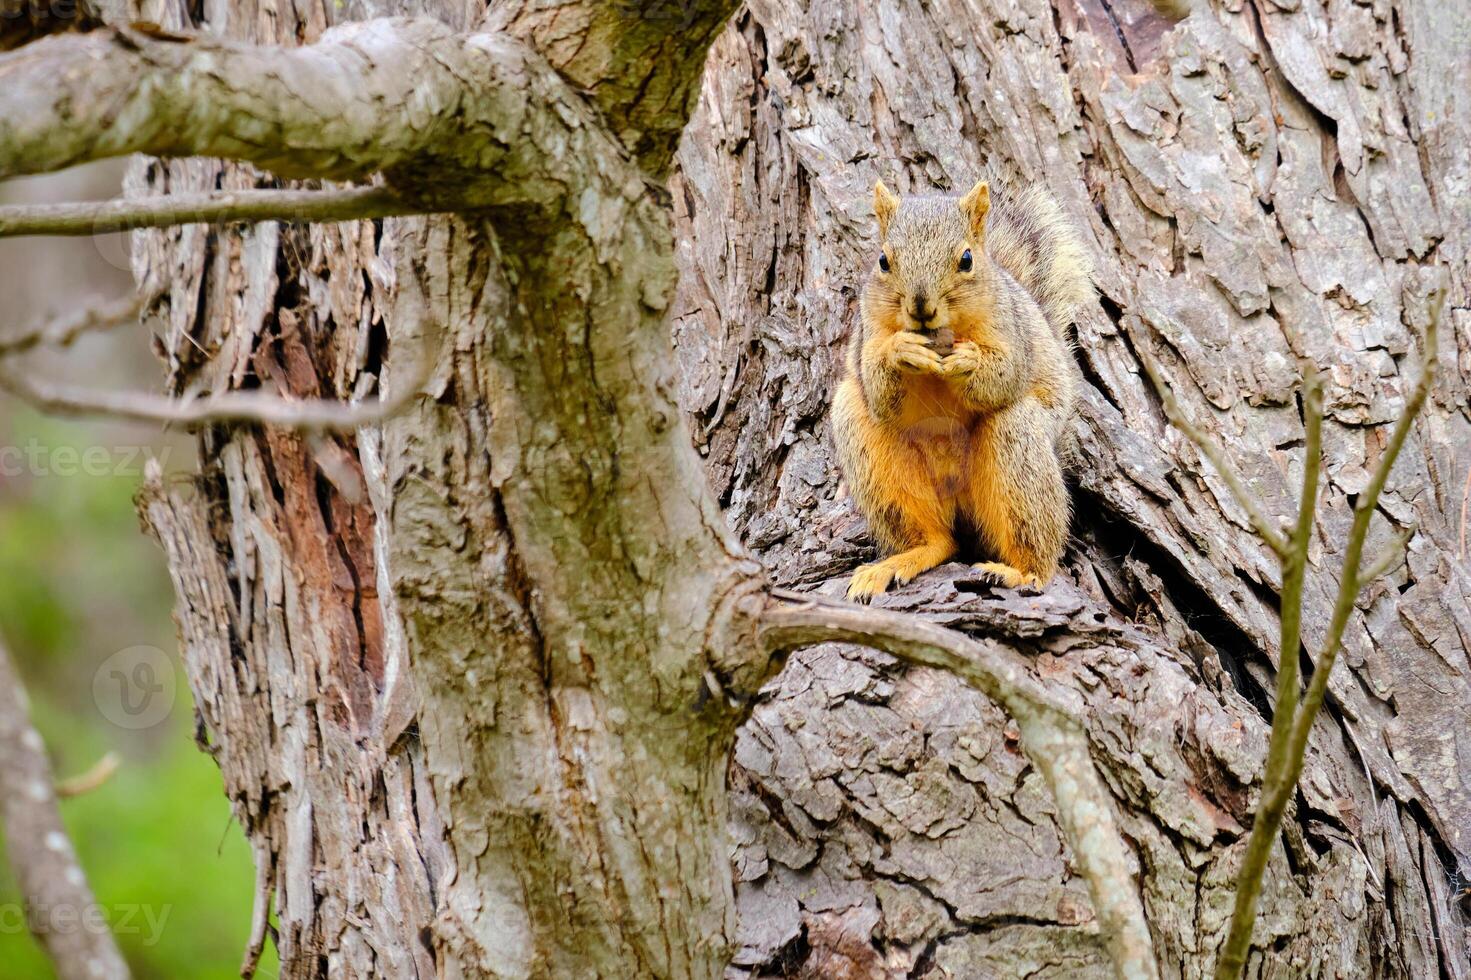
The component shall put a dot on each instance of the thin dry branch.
(96, 777)
(64, 331)
(59, 904)
(102, 217)
(1051, 735)
(1292, 723)
(264, 408)
(1294, 573)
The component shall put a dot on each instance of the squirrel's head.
(933, 268)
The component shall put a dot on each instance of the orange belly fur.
(941, 432)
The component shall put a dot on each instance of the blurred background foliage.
(79, 581)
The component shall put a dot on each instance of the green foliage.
(78, 582)
(172, 872)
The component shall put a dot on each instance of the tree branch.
(640, 60)
(312, 415)
(453, 121)
(1051, 734)
(1292, 724)
(64, 331)
(52, 882)
(1294, 574)
(102, 217)
(367, 96)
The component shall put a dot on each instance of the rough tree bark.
(454, 668)
(1258, 162)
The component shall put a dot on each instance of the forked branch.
(1292, 722)
(1050, 732)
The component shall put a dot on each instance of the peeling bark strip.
(1264, 165)
(57, 902)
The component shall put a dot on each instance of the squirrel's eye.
(884, 262)
(965, 261)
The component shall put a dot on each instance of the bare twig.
(1243, 497)
(320, 415)
(62, 913)
(1291, 728)
(101, 217)
(1051, 735)
(102, 770)
(1294, 573)
(64, 331)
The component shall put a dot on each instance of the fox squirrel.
(960, 383)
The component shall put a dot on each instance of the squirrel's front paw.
(908, 351)
(869, 581)
(962, 361)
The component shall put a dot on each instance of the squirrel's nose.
(919, 306)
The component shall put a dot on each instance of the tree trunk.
(1247, 168)
(455, 669)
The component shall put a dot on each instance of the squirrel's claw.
(1005, 575)
(869, 581)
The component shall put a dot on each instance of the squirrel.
(950, 420)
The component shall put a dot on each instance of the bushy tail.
(1029, 236)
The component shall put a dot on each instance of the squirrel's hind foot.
(1006, 575)
(871, 580)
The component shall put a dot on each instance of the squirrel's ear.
(976, 205)
(885, 206)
